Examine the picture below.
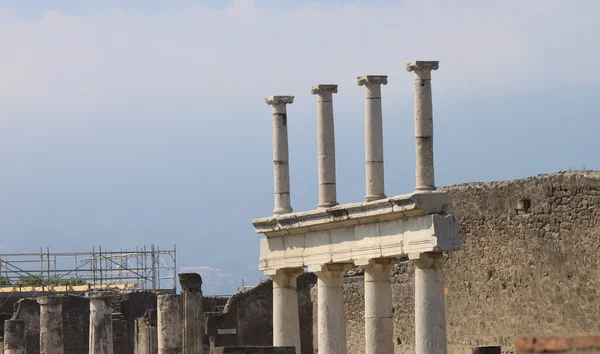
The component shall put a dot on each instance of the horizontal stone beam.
(360, 242)
(346, 215)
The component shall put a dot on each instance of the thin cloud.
(72, 64)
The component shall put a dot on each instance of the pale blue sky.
(144, 122)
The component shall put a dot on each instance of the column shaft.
(169, 319)
(281, 169)
(14, 336)
(101, 333)
(286, 321)
(425, 177)
(430, 309)
(146, 339)
(51, 325)
(373, 136)
(326, 144)
(379, 322)
(193, 314)
(331, 316)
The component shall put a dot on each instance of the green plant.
(5, 281)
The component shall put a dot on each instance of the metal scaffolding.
(147, 268)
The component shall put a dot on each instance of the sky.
(144, 122)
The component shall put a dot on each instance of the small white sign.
(227, 331)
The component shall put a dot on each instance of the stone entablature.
(329, 239)
(356, 232)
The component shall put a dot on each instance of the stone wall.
(250, 314)
(132, 305)
(76, 324)
(28, 310)
(529, 265)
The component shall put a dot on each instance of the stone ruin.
(528, 246)
(372, 234)
(108, 322)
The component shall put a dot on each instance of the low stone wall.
(588, 343)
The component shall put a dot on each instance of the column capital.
(324, 88)
(190, 281)
(372, 262)
(372, 79)
(99, 295)
(422, 69)
(49, 300)
(427, 260)
(274, 100)
(287, 272)
(334, 268)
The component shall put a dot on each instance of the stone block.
(254, 350)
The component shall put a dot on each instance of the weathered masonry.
(373, 234)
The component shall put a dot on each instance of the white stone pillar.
(286, 321)
(423, 123)
(379, 321)
(430, 308)
(326, 144)
(373, 136)
(169, 320)
(331, 317)
(14, 336)
(101, 334)
(193, 313)
(51, 325)
(281, 166)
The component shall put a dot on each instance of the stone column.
(430, 308)
(379, 321)
(330, 304)
(28, 310)
(101, 332)
(373, 135)
(193, 313)
(146, 339)
(286, 322)
(14, 336)
(169, 320)
(280, 153)
(326, 144)
(423, 123)
(51, 325)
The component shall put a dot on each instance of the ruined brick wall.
(76, 324)
(28, 310)
(132, 305)
(529, 265)
(250, 313)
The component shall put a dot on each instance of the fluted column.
(331, 317)
(14, 336)
(169, 319)
(193, 314)
(146, 334)
(373, 136)
(425, 179)
(51, 325)
(286, 322)
(101, 333)
(379, 322)
(430, 308)
(326, 144)
(281, 169)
